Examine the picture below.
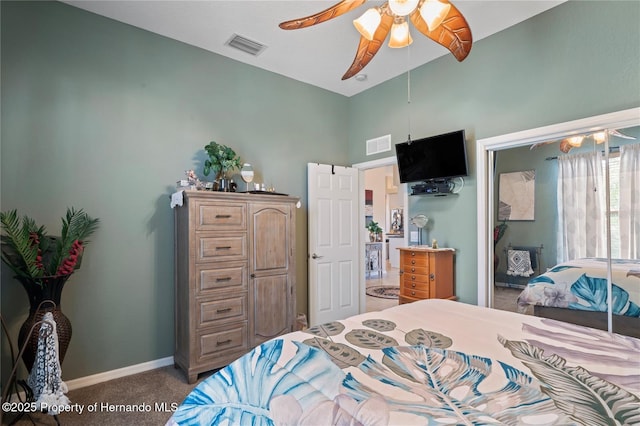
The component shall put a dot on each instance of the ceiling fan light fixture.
(403, 7)
(368, 23)
(400, 36)
(575, 140)
(388, 19)
(433, 12)
(600, 137)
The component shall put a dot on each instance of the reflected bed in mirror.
(576, 291)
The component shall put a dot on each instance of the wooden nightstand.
(426, 273)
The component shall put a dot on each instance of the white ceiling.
(318, 55)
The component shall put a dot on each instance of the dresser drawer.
(418, 294)
(210, 280)
(216, 248)
(413, 269)
(219, 341)
(408, 277)
(214, 312)
(415, 285)
(412, 258)
(217, 217)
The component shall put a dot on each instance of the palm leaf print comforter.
(430, 362)
(582, 284)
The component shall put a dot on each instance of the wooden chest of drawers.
(426, 273)
(235, 276)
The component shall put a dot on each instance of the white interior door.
(334, 247)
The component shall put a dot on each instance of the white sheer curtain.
(630, 201)
(581, 207)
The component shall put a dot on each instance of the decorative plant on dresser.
(222, 160)
(235, 276)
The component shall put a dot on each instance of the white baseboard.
(120, 372)
(107, 375)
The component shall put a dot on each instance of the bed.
(576, 291)
(429, 362)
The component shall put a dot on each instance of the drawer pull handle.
(224, 342)
(413, 293)
(432, 276)
(413, 277)
(413, 253)
(223, 279)
(413, 269)
(413, 285)
(223, 216)
(223, 248)
(413, 261)
(223, 310)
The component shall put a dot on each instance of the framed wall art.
(517, 196)
(368, 206)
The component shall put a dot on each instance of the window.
(614, 204)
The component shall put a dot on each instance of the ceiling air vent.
(378, 145)
(248, 46)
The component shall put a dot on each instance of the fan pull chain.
(409, 91)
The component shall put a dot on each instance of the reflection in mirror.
(545, 160)
(596, 174)
(557, 261)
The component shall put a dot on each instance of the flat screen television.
(440, 157)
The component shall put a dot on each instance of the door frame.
(374, 164)
(485, 153)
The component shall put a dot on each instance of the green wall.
(103, 116)
(106, 117)
(576, 60)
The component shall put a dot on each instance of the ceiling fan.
(570, 142)
(439, 20)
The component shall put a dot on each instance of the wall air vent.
(379, 144)
(248, 46)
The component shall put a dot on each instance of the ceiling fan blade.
(334, 11)
(454, 32)
(367, 49)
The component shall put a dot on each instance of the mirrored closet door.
(561, 223)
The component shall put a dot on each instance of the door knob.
(315, 256)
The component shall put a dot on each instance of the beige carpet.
(153, 393)
(506, 299)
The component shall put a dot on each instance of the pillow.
(519, 263)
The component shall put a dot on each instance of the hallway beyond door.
(389, 278)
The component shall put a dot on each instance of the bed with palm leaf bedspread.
(579, 288)
(431, 362)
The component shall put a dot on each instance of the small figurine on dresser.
(193, 180)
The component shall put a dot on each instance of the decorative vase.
(44, 296)
(223, 181)
(372, 237)
(223, 185)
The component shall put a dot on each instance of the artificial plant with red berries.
(31, 253)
